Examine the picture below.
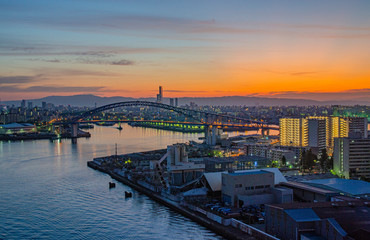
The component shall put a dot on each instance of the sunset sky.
(293, 49)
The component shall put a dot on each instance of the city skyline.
(306, 50)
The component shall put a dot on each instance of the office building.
(352, 157)
(30, 105)
(172, 102)
(176, 102)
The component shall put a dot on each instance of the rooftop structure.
(214, 179)
(339, 220)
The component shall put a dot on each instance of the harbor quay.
(171, 178)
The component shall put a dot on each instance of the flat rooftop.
(247, 173)
(352, 187)
(303, 186)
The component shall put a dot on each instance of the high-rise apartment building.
(358, 126)
(351, 157)
(316, 133)
(293, 131)
(310, 131)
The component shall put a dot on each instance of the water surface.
(48, 192)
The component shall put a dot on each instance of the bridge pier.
(265, 132)
(74, 130)
(213, 135)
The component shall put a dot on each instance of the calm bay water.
(48, 192)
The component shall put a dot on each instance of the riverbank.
(228, 232)
(39, 136)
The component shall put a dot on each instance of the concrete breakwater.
(228, 232)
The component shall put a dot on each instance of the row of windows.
(257, 187)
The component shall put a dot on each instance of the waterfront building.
(319, 220)
(352, 157)
(213, 180)
(16, 128)
(179, 169)
(252, 187)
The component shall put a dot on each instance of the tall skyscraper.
(172, 102)
(160, 95)
(176, 102)
(30, 105)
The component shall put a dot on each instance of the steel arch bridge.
(206, 118)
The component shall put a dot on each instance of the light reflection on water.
(48, 192)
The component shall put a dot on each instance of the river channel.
(48, 192)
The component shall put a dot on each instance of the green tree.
(283, 161)
(329, 163)
(308, 159)
(324, 158)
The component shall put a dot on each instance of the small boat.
(128, 194)
(112, 185)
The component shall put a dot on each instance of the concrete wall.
(245, 184)
(258, 199)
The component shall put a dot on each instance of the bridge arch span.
(200, 116)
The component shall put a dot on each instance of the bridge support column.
(74, 130)
(212, 135)
(265, 132)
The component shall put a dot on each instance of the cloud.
(300, 73)
(17, 79)
(53, 89)
(123, 62)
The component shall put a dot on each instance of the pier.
(228, 232)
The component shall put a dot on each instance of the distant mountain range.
(91, 100)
